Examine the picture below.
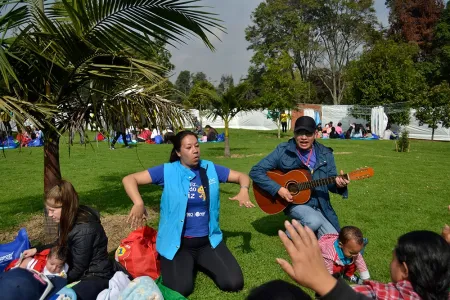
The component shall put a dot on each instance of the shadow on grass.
(109, 197)
(269, 225)
(246, 237)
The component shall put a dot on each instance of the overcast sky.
(231, 55)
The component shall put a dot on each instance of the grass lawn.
(409, 191)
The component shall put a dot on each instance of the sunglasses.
(304, 132)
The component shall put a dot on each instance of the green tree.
(433, 108)
(183, 84)
(197, 99)
(75, 59)
(384, 75)
(228, 104)
(321, 36)
(279, 90)
(197, 77)
(226, 82)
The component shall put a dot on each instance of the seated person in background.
(358, 131)
(155, 132)
(334, 134)
(348, 133)
(204, 138)
(387, 133)
(341, 253)
(144, 135)
(338, 128)
(51, 262)
(211, 133)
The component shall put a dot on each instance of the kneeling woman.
(81, 231)
(189, 236)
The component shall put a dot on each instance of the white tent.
(424, 132)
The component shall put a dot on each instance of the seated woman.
(211, 133)
(81, 231)
(189, 237)
(334, 134)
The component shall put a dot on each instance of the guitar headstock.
(362, 173)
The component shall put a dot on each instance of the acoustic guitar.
(299, 183)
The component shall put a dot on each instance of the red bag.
(137, 253)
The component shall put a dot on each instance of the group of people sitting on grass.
(323, 255)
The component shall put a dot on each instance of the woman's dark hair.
(176, 141)
(427, 256)
(339, 124)
(278, 290)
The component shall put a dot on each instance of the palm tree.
(69, 59)
(227, 105)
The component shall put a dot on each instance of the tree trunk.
(52, 174)
(227, 142)
(432, 133)
(279, 126)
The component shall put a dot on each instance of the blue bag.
(12, 250)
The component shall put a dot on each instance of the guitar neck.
(318, 182)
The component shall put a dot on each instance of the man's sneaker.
(129, 147)
(112, 148)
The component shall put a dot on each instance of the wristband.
(244, 187)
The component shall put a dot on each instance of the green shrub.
(402, 144)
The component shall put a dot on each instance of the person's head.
(278, 290)
(339, 124)
(304, 132)
(423, 258)
(331, 124)
(185, 149)
(207, 128)
(56, 259)
(61, 203)
(333, 129)
(351, 241)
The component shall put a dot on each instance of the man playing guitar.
(303, 152)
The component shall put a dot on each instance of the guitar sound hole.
(292, 187)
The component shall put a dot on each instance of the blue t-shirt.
(197, 213)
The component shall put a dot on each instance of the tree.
(434, 108)
(278, 90)
(197, 99)
(321, 36)
(414, 20)
(183, 84)
(76, 60)
(228, 104)
(386, 75)
(226, 82)
(198, 77)
(282, 25)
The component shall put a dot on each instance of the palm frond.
(126, 22)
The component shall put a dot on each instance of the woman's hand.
(243, 198)
(29, 253)
(308, 268)
(138, 216)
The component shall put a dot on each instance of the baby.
(341, 253)
(49, 262)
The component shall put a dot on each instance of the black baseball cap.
(306, 123)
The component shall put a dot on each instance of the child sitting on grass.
(341, 253)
